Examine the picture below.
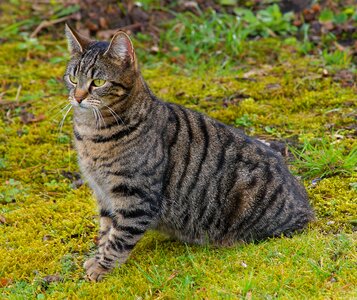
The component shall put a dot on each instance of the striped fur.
(158, 165)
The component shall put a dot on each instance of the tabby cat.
(159, 165)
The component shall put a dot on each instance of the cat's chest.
(96, 160)
(95, 173)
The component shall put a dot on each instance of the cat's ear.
(76, 42)
(121, 47)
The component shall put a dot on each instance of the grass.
(190, 39)
(325, 159)
(47, 227)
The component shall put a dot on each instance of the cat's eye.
(98, 82)
(73, 79)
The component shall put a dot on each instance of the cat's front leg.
(105, 223)
(128, 223)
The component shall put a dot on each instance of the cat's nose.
(80, 95)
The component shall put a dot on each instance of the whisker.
(101, 116)
(56, 106)
(96, 118)
(64, 117)
(92, 101)
(61, 110)
(115, 115)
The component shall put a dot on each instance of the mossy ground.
(48, 227)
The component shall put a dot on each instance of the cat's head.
(99, 73)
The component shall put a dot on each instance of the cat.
(158, 165)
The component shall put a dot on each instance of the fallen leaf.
(46, 237)
(248, 295)
(254, 72)
(27, 117)
(2, 220)
(52, 278)
(273, 86)
(154, 49)
(5, 282)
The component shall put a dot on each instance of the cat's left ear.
(121, 47)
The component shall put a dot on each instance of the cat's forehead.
(92, 61)
(94, 52)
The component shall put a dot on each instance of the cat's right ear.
(76, 42)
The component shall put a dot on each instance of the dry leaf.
(5, 282)
(2, 220)
(52, 278)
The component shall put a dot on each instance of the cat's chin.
(81, 107)
(82, 110)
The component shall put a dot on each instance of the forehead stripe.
(92, 63)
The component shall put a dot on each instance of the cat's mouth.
(86, 103)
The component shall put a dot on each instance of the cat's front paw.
(94, 270)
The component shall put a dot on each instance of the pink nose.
(80, 95)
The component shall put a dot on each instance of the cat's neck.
(135, 108)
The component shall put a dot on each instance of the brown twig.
(18, 93)
(46, 23)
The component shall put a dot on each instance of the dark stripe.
(77, 135)
(136, 213)
(117, 246)
(130, 229)
(272, 200)
(105, 213)
(110, 125)
(187, 153)
(186, 218)
(117, 135)
(128, 191)
(107, 259)
(182, 215)
(205, 133)
(90, 64)
(219, 169)
(129, 173)
(75, 70)
(116, 96)
(129, 247)
(118, 84)
(103, 232)
(105, 267)
(128, 153)
(266, 205)
(252, 166)
(153, 169)
(210, 219)
(281, 226)
(252, 182)
(173, 118)
(243, 223)
(137, 170)
(78, 67)
(122, 245)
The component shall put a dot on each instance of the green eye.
(98, 82)
(73, 79)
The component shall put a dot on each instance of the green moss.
(50, 227)
(334, 200)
